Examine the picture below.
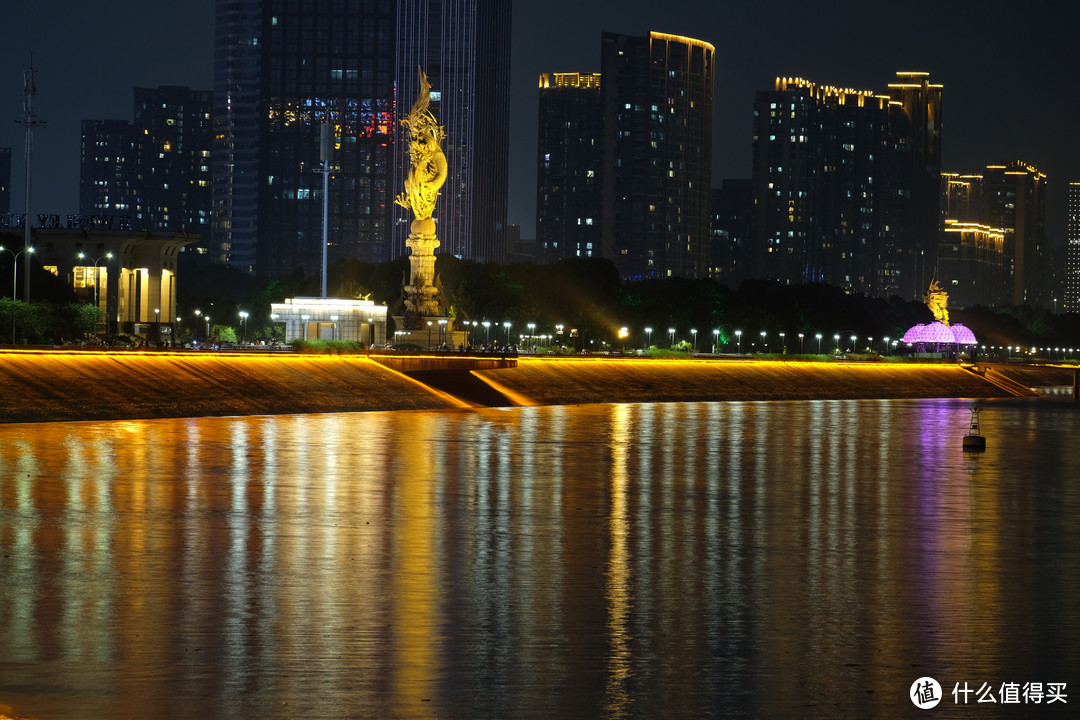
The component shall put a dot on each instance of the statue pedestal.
(433, 333)
(420, 292)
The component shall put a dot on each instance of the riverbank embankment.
(43, 386)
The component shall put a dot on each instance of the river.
(736, 559)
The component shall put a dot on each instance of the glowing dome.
(940, 334)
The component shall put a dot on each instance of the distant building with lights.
(569, 149)
(283, 69)
(656, 185)
(464, 48)
(311, 318)
(155, 170)
(1072, 249)
(1015, 200)
(841, 186)
(730, 231)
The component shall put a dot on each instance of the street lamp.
(487, 331)
(97, 277)
(648, 338)
(671, 332)
(716, 340)
(428, 334)
(15, 269)
(442, 330)
(738, 338)
(243, 325)
(333, 326)
(765, 345)
(783, 345)
(207, 326)
(532, 328)
(802, 347)
(693, 332)
(836, 337)
(507, 326)
(853, 338)
(818, 336)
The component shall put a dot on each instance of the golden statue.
(427, 163)
(427, 173)
(937, 300)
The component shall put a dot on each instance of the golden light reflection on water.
(616, 561)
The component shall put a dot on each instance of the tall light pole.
(671, 334)
(97, 281)
(764, 345)
(818, 343)
(648, 338)
(693, 331)
(507, 326)
(716, 340)
(243, 325)
(801, 346)
(738, 339)
(14, 282)
(783, 345)
(29, 122)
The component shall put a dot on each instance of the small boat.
(974, 440)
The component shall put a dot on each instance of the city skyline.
(1002, 101)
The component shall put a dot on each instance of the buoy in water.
(974, 440)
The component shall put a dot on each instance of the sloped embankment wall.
(565, 381)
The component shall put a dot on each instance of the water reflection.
(737, 559)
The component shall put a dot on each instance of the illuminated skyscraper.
(1072, 249)
(464, 48)
(971, 255)
(282, 69)
(656, 185)
(155, 170)
(1015, 201)
(842, 185)
(919, 172)
(568, 167)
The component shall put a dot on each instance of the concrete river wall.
(39, 386)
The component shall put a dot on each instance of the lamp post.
(532, 328)
(802, 347)
(243, 325)
(507, 326)
(273, 326)
(738, 339)
(97, 280)
(648, 338)
(764, 345)
(194, 333)
(207, 326)
(853, 339)
(487, 331)
(333, 327)
(783, 345)
(716, 340)
(693, 331)
(671, 333)
(14, 279)
(442, 330)
(836, 337)
(428, 334)
(157, 323)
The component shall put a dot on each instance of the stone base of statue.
(434, 333)
(420, 293)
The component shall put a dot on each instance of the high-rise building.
(732, 221)
(838, 197)
(1072, 249)
(108, 168)
(971, 255)
(463, 46)
(1015, 201)
(5, 180)
(656, 184)
(154, 171)
(825, 209)
(919, 171)
(568, 166)
(173, 135)
(284, 68)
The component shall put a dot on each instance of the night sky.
(1009, 72)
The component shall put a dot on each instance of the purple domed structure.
(937, 333)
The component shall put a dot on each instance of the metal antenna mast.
(29, 122)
